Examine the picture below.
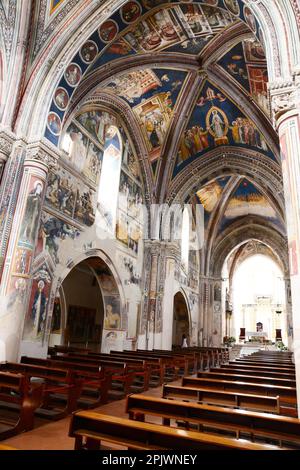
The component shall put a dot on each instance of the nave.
(248, 403)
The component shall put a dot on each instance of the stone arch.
(239, 233)
(118, 294)
(182, 323)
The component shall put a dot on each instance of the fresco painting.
(209, 195)
(95, 123)
(129, 220)
(246, 63)
(69, 197)
(83, 153)
(61, 191)
(52, 232)
(35, 321)
(56, 317)
(216, 121)
(31, 215)
(247, 200)
(152, 95)
(88, 51)
(130, 12)
(112, 318)
(85, 206)
(181, 26)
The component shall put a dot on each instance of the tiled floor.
(54, 435)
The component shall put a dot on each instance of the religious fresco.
(85, 206)
(83, 153)
(52, 232)
(56, 325)
(134, 29)
(129, 218)
(246, 63)
(217, 121)
(36, 318)
(71, 197)
(152, 95)
(247, 200)
(112, 316)
(209, 195)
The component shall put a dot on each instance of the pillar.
(11, 166)
(16, 278)
(286, 109)
(171, 259)
(152, 302)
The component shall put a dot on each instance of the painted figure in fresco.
(89, 51)
(61, 98)
(54, 123)
(56, 316)
(217, 125)
(77, 151)
(39, 309)
(112, 319)
(32, 213)
(73, 74)
(232, 6)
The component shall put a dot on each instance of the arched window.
(110, 177)
(185, 238)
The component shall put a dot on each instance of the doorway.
(181, 323)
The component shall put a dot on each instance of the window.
(110, 177)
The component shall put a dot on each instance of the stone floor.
(54, 435)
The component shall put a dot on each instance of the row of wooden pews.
(249, 403)
(74, 378)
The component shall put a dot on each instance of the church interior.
(150, 224)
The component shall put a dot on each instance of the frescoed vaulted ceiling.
(191, 75)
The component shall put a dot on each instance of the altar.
(256, 336)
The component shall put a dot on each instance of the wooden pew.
(250, 371)
(173, 363)
(154, 366)
(138, 368)
(59, 383)
(241, 400)
(282, 365)
(206, 417)
(95, 383)
(18, 394)
(93, 428)
(259, 367)
(286, 394)
(262, 378)
(3, 447)
(62, 349)
(121, 372)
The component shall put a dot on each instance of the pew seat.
(90, 428)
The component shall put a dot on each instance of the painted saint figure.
(39, 309)
(31, 214)
(112, 319)
(218, 126)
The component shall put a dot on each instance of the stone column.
(16, 278)
(216, 331)
(167, 278)
(11, 166)
(289, 312)
(152, 302)
(286, 110)
(6, 143)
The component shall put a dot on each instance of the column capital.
(40, 153)
(285, 96)
(6, 145)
